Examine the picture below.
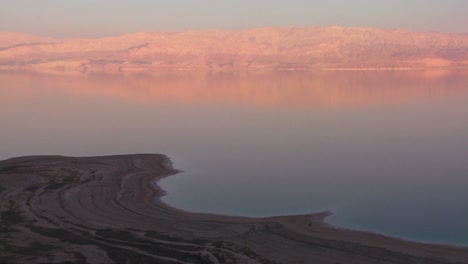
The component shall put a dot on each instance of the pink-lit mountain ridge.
(294, 48)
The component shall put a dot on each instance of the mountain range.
(291, 48)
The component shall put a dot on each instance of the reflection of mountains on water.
(291, 89)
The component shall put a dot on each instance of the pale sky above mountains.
(96, 18)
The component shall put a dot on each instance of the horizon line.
(231, 30)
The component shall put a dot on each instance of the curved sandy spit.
(102, 210)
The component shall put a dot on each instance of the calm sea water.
(385, 151)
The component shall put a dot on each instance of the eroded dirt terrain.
(57, 209)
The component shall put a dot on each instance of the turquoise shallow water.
(385, 151)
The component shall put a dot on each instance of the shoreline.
(165, 71)
(321, 216)
(56, 208)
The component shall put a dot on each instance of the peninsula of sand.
(58, 209)
(283, 48)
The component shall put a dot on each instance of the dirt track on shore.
(107, 209)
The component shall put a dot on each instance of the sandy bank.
(101, 210)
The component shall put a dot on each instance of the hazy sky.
(94, 18)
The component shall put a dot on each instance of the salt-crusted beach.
(107, 209)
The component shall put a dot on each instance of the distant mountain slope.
(271, 48)
(12, 39)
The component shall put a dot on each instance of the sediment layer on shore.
(107, 210)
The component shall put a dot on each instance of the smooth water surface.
(385, 151)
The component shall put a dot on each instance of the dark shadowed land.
(107, 210)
